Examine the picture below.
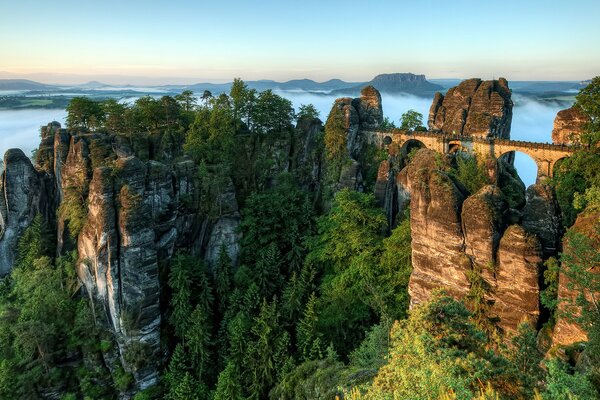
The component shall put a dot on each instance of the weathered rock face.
(474, 108)
(483, 220)
(567, 330)
(541, 217)
(24, 193)
(369, 108)
(437, 239)
(455, 235)
(516, 288)
(358, 114)
(225, 233)
(568, 126)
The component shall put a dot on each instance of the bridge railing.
(480, 139)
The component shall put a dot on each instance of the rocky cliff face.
(568, 126)
(127, 204)
(456, 235)
(568, 329)
(25, 192)
(362, 113)
(474, 108)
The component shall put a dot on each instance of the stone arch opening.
(523, 165)
(387, 140)
(556, 165)
(410, 145)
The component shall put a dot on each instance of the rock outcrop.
(456, 236)
(516, 289)
(474, 108)
(541, 216)
(568, 126)
(483, 221)
(356, 115)
(437, 238)
(568, 329)
(24, 193)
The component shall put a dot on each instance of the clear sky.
(176, 41)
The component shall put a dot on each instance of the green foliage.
(469, 172)
(525, 359)
(549, 296)
(44, 328)
(387, 124)
(579, 264)
(309, 339)
(335, 142)
(588, 100)
(436, 351)
(314, 379)
(307, 111)
(362, 281)
(561, 384)
(574, 176)
(85, 113)
(73, 210)
(411, 120)
(282, 216)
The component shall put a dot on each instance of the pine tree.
(309, 339)
(228, 385)
(260, 360)
(223, 279)
(198, 341)
(180, 281)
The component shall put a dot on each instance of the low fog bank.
(21, 128)
(532, 121)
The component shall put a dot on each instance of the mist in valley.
(532, 121)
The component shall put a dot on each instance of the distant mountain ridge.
(24, 84)
(398, 83)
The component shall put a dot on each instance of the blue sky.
(181, 41)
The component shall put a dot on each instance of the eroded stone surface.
(568, 126)
(474, 108)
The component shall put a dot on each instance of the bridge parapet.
(545, 155)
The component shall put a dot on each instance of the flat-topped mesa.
(473, 108)
(568, 126)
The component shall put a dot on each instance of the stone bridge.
(545, 155)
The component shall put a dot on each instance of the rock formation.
(24, 193)
(516, 286)
(568, 126)
(474, 108)
(568, 329)
(541, 216)
(455, 236)
(437, 238)
(357, 114)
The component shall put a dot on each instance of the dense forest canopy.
(317, 305)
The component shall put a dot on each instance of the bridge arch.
(411, 144)
(555, 165)
(526, 165)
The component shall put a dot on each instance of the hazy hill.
(23, 84)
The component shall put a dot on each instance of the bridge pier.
(544, 170)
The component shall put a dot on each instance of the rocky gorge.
(128, 204)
